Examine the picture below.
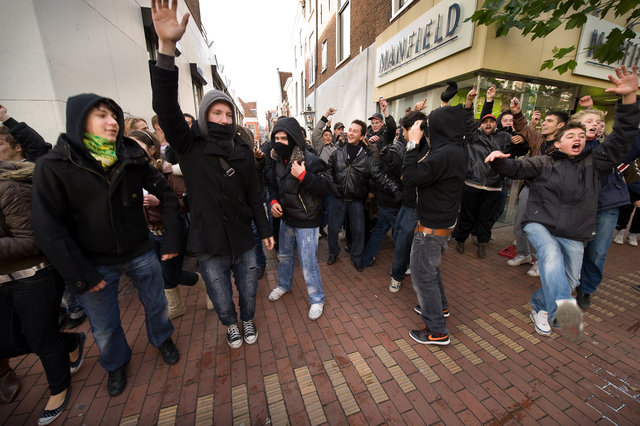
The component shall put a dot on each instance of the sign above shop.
(440, 32)
(594, 33)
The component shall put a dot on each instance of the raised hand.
(165, 21)
(491, 92)
(383, 106)
(535, 118)
(330, 112)
(494, 155)
(420, 105)
(4, 115)
(586, 102)
(626, 84)
(471, 96)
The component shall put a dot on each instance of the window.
(197, 84)
(295, 57)
(295, 106)
(312, 61)
(344, 30)
(150, 36)
(323, 53)
(301, 105)
(320, 14)
(398, 6)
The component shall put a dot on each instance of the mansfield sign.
(440, 32)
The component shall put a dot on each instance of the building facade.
(57, 49)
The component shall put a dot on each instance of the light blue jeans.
(305, 240)
(559, 260)
(104, 313)
(596, 250)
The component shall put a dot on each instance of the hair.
(150, 141)
(4, 132)
(327, 130)
(573, 124)
(304, 132)
(187, 115)
(245, 134)
(407, 121)
(578, 116)
(154, 121)
(130, 122)
(363, 126)
(563, 117)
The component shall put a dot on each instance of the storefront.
(433, 42)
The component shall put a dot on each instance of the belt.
(24, 273)
(429, 231)
(157, 232)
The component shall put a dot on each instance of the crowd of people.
(115, 196)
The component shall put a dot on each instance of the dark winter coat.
(350, 178)
(18, 247)
(85, 216)
(564, 191)
(613, 189)
(386, 135)
(32, 144)
(222, 204)
(301, 200)
(439, 175)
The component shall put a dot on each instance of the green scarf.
(103, 150)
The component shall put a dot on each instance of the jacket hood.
(446, 125)
(17, 171)
(78, 108)
(209, 99)
(292, 128)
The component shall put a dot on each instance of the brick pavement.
(357, 364)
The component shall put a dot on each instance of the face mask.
(222, 134)
(283, 151)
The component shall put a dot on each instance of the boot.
(482, 250)
(9, 383)
(200, 285)
(174, 298)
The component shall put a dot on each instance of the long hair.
(151, 142)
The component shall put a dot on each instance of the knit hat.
(450, 91)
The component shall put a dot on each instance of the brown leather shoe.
(9, 382)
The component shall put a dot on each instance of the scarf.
(221, 134)
(283, 151)
(103, 150)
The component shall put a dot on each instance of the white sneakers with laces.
(315, 311)
(534, 271)
(618, 237)
(394, 286)
(632, 240)
(541, 321)
(519, 260)
(276, 294)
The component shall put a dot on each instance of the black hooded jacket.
(222, 203)
(301, 200)
(439, 175)
(83, 215)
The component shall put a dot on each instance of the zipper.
(303, 206)
(347, 180)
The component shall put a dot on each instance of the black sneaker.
(332, 259)
(117, 380)
(584, 299)
(234, 338)
(75, 366)
(260, 272)
(427, 337)
(358, 266)
(169, 352)
(460, 246)
(249, 331)
(445, 312)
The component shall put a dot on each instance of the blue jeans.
(559, 260)
(596, 250)
(386, 219)
(403, 235)
(216, 271)
(104, 313)
(426, 255)
(355, 212)
(261, 259)
(305, 240)
(172, 271)
(522, 243)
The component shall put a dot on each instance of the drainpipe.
(315, 64)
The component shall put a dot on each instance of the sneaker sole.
(251, 341)
(444, 314)
(539, 331)
(394, 289)
(234, 345)
(569, 318)
(273, 299)
(431, 342)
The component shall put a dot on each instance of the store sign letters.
(594, 33)
(440, 32)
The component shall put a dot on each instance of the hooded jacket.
(350, 178)
(222, 203)
(613, 190)
(564, 191)
(439, 175)
(84, 215)
(301, 199)
(32, 143)
(18, 247)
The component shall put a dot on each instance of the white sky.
(251, 39)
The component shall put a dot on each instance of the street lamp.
(309, 115)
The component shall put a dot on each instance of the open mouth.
(576, 147)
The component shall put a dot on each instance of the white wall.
(56, 49)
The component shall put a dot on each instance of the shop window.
(150, 36)
(343, 37)
(398, 6)
(323, 54)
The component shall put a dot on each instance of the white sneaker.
(276, 294)
(519, 260)
(541, 321)
(534, 271)
(632, 240)
(619, 237)
(315, 311)
(569, 319)
(394, 286)
(408, 271)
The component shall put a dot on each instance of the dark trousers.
(355, 212)
(172, 271)
(29, 324)
(476, 211)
